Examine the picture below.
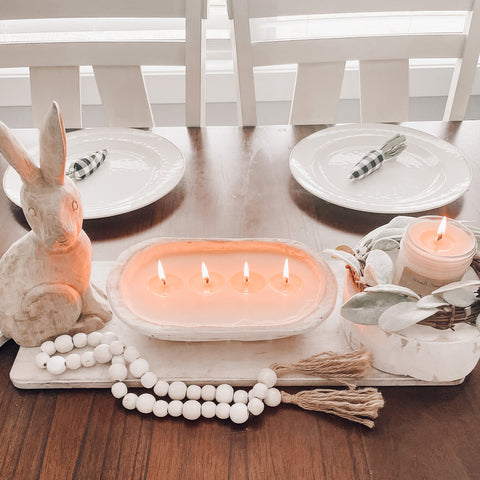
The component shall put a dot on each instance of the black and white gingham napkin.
(85, 166)
(373, 160)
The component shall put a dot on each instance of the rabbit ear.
(17, 156)
(53, 147)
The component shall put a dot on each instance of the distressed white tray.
(231, 362)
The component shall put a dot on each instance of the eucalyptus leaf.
(386, 244)
(345, 248)
(348, 258)
(390, 288)
(393, 229)
(382, 266)
(460, 297)
(455, 285)
(401, 221)
(403, 315)
(432, 301)
(369, 278)
(366, 307)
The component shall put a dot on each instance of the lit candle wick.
(161, 274)
(285, 272)
(205, 275)
(441, 228)
(246, 272)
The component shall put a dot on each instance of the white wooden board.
(231, 362)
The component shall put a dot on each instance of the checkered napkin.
(373, 160)
(85, 166)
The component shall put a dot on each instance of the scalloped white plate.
(430, 173)
(141, 167)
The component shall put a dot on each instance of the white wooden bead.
(56, 365)
(118, 372)
(267, 376)
(208, 392)
(73, 361)
(222, 410)
(238, 413)
(48, 347)
(119, 390)
(117, 347)
(224, 393)
(63, 343)
(138, 367)
(161, 388)
(192, 409)
(177, 390)
(160, 408)
(148, 379)
(130, 354)
(175, 408)
(118, 359)
(41, 359)
(273, 397)
(255, 406)
(145, 403)
(240, 396)
(88, 359)
(194, 392)
(208, 409)
(102, 353)
(94, 339)
(109, 337)
(259, 390)
(80, 340)
(129, 401)
(250, 394)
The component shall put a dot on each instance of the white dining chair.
(54, 64)
(383, 57)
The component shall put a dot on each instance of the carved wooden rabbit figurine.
(45, 285)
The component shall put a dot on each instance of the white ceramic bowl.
(420, 351)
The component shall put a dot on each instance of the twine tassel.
(359, 406)
(355, 364)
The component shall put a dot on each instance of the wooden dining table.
(237, 184)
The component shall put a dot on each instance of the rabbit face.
(55, 214)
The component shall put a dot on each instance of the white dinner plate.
(140, 168)
(428, 174)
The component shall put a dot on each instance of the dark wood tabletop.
(238, 184)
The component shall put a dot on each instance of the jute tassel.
(359, 406)
(330, 364)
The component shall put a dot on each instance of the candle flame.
(246, 272)
(161, 274)
(205, 275)
(286, 273)
(441, 228)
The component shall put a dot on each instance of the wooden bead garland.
(209, 401)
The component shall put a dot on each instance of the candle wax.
(453, 242)
(224, 301)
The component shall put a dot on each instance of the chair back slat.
(384, 91)
(61, 84)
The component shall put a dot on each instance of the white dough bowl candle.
(219, 289)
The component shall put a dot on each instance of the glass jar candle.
(430, 258)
